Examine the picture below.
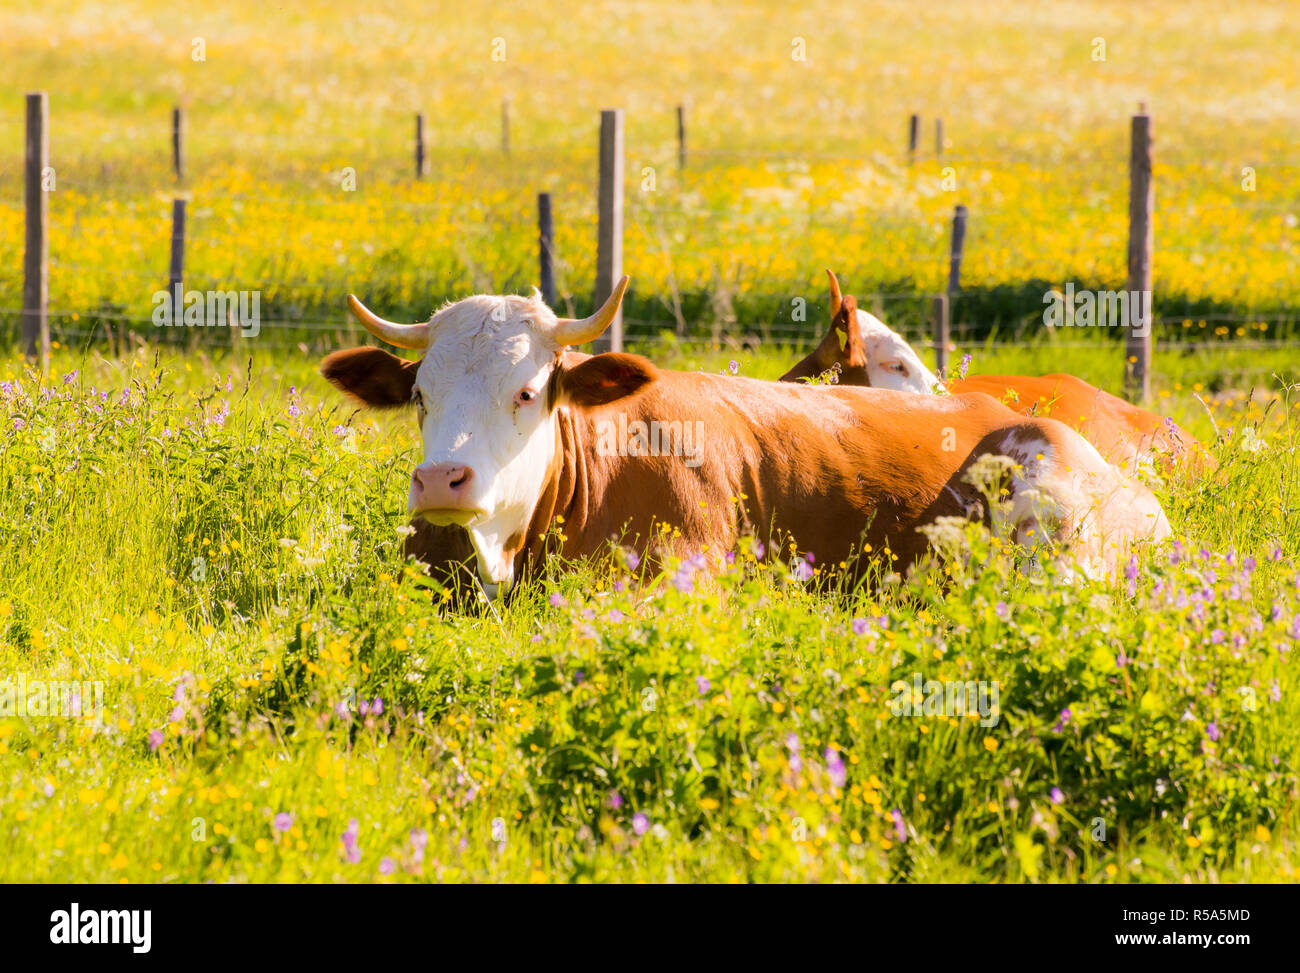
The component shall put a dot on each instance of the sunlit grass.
(217, 544)
(793, 166)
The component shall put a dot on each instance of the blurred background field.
(792, 166)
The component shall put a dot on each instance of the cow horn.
(414, 336)
(577, 331)
(836, 300)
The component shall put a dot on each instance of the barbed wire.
(488, 142)
(665, 330)
(111, 313)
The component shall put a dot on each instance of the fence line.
(106, 314)
(807, 332)
(345, 143)
(610, 226)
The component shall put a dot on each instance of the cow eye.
(525, 396)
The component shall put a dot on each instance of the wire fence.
(294, 315)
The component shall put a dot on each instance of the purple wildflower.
(1176, 552)
(352, 852)
(835, 767)
(683, 579)
(283, 821)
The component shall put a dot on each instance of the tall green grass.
(217, 543)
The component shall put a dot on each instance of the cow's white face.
(485, 396)
(487, 427)
(891, 362)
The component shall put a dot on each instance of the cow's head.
(866, 351)
(485, 396)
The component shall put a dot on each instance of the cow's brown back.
(842, 470)
(1121, 431)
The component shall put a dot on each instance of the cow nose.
(440, 486)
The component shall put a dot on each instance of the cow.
(532, 448)
(871, 354)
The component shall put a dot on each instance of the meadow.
(218, 544)
(212, 537)
(793, 165)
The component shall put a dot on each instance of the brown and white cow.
(870, 353)
(519, 432)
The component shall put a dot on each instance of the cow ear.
(604, 378)
(849, 334)
(372, 376)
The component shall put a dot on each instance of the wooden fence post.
(546, 249)
(955, 251)
(681, 136)
(913, 137)
(938, 138)
(1141, 246)
(36, 261)
(941, 335)
(609, 235)
(176, 273)
(421, 169)
(178, 147)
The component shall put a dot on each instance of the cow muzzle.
(441, 493)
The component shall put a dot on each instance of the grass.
(794, 165)
(216, 543)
